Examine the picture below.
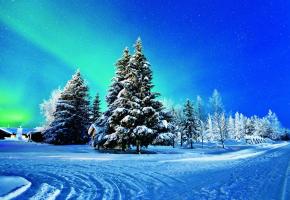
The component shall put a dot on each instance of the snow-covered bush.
(166, 139)
(252, 139)
(48, 107)
(285, 135)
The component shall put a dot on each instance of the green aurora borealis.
(240, 48)
(90, 43)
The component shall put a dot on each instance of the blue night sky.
(241, 48)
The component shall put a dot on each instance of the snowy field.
(40, 171)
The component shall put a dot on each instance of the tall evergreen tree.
(190, 123)
(249, 126)
(120, 75)
(96, 111)
(71, 118)
(105, 123)
(135, 116)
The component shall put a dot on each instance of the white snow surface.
(79, 172)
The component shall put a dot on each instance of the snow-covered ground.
(12, 186)
(40, 171)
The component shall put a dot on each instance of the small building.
(20, 134)
(4, 134)
(24, 136)
(35, 136)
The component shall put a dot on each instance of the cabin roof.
(6, 131)
(14, 130)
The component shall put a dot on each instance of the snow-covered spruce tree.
(71, 117)
(96, 110)
(48, 107)
(249, 126)
(120, 75)
(135, 113)
(190, 124)
(105, 124)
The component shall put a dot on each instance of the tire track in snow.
(173, 179)
(285, 183)
(136, 179)
(246, 178)
(77, 181)
(46, 192)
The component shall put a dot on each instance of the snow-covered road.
(78, 172)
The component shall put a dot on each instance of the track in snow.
(66, 175)
(87, 180)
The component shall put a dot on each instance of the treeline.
(199, 122)
(135, 116)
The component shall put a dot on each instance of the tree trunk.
(180, 139)
(123, 146)
(138, 147)
(173, 142)
(202, 141)
(191, 144)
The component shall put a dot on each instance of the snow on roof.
(14, 130)
(6, 130)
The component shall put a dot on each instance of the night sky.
(241, 48)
